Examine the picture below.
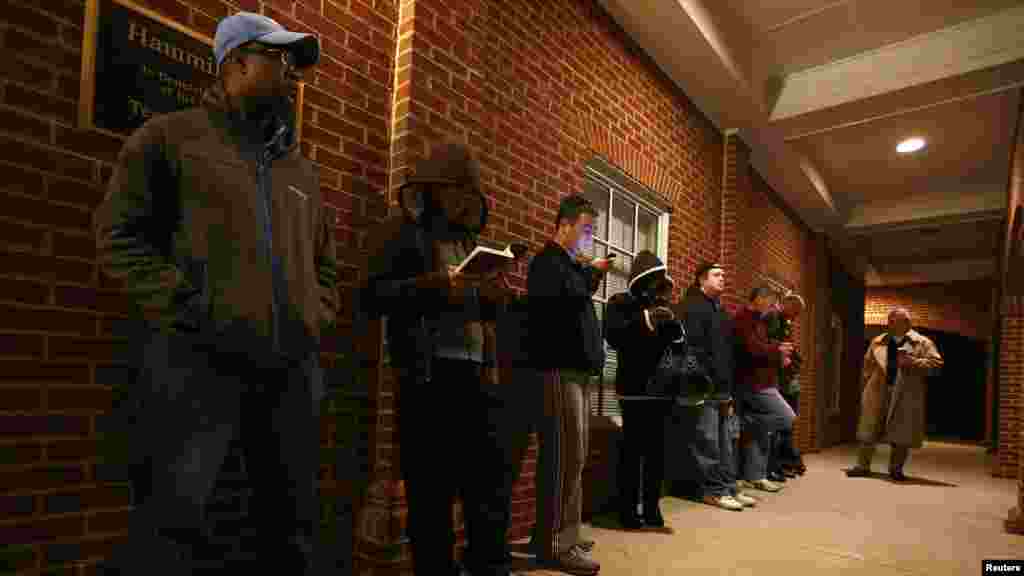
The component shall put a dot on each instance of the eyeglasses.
(287, 56)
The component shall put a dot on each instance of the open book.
(483, 260)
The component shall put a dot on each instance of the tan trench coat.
(901, 418)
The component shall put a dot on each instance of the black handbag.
(679, 373)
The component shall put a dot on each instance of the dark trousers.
(643, 453)
(521, 391)
(449, 448)
(695, 452)
(193, 404)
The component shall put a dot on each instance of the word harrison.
(141, 34)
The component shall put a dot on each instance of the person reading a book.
(567, 350)
(440, 331)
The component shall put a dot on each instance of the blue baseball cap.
(246, 27)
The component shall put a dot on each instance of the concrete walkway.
(945, 520)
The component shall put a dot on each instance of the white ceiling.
(823, 91)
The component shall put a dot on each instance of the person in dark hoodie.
(640, 326)
(214, 223)
(441, 336)
(706, 464)
(567, 349)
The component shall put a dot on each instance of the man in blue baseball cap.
(214, 224)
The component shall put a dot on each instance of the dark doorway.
(956, 395)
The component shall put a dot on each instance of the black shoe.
(858, 472)
(777, 477)
(630, 520)
(898, 476)
(653, 518)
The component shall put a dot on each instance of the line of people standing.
(508, 360)
(215, 224)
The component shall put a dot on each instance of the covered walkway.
(945, 520)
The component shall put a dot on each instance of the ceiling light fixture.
(910, 145)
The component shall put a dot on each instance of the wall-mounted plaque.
(137, 63)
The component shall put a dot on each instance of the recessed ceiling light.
(910, 145)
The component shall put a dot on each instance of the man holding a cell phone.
(567, 350)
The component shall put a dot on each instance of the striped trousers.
(563, 435)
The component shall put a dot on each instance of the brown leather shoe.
(575, 561)
(858, 472)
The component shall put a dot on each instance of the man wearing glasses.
(214, 224)
(567, 350)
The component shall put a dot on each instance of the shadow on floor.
(611, 522)
(910, 481)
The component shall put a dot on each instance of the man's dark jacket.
(219, 235)
(403, 251)
(709, 336)
(564, 331)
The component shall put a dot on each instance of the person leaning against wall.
(214, 223)
(642, 329)
(786, 460)
(762, 409)
(702, 467)
(441, 334)
(567, 349)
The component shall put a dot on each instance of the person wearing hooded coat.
(440, 332)
(641, 328)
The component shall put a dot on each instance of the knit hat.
(647, 267)
(447, 164)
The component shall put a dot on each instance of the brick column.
(814, 333)
(1011, 353)
(735, 192)
(1011, 367)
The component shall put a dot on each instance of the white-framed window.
(626, 223)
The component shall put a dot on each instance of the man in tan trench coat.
(893, 400)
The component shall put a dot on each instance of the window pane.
(600, 251)
(607, 387)
(598, 194)
(621, 225)
(617, 279)
(647, 231)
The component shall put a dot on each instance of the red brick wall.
(959, 307)
(56, 313)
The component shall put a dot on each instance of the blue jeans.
(704, 465)
(763, 414)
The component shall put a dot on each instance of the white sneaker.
(766, 485)
(726, 502)
(747, 501)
